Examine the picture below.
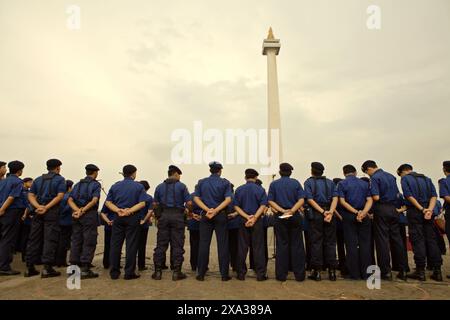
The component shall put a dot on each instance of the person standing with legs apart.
(45, 196)
(12, 207)
(356, 201)
(213, 195)
(125, 198)
(84, 200)
(444, 193)
(421, 197)
(250, 202)
(321, 195)
(286, 196)
(385, 193)
(171, 199)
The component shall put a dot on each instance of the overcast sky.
(112, 92)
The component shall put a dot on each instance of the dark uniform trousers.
(84, 238)
(266, 250)
(233, 245)
(124, 229)
(170, 230)
(423, 239)
(289, 247)
(322, 237)
(142, 246)
(194, 239)
(255, 236)
(9, 230)
(44, 229)
(107, 247)
(386, 228)
(358, 244)
(219, 224)
(63, 245)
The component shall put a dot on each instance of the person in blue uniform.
(83, 201)
(421, 196)
(145, 216)
(384, 191)
(402, 224)
(3, 170)
(286, 196)
(233, 233)
(65, 226)
(213, 195)
(356, 202)
(250, 202)
(107, 218)
(125, 199)
(340, 241)
(444, 193)
(321, 195)
(12, 208)
(45, 196)
(171, 199)
(26, 218)
(193, 224)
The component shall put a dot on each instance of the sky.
(113, 91)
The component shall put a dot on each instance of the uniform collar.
(128, 178)
(214, 175)
(378, 171)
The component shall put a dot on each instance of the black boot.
(402, 275)
(437, 274)
(31, 271)
(177, 274)
(332, 274)
(157, 275)
(49, 272)
(87, 273)
(418, 274)
(315, 275)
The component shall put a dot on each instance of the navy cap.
(91, 167)
(215, 165)
(15, 166)
(259, 182)
(317, 166)
(53, 163)
(175, 168)
(286, 167)
(251, 173)
(129, 169)
(27, 179)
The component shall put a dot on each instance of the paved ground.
(213, 288)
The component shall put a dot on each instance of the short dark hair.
(368, 164)
(404, 167)
(316, 172)
(69, 184)
(145, 184)
(285, 173)
(214, 170)
(446, 166)
(90, 172)
(348, 169)
(337, 180)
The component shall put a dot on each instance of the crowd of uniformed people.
(343, 225)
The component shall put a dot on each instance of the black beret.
(175, 168)
(27, 179)
(91, 167)
(286, 167)
(215, 165)
(251, 172)
(446, 165)
(15, 166)
(2, 163)
(129, 169)
(53, 163)
(145, 184)
(317, 166)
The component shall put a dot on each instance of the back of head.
(368, 164)
(349, 169)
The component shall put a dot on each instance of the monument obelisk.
(271, 48)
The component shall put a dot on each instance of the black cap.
(215, 165)
(317, 166)
(91, 167)
(175, 169)
(27, 179)
(446, 165)
(259, 182)
(286, 167)
(251, 173)
(129, 169)
(69, 183)
(145, 184)
(15, 166)
(53, 163)
(2, 163)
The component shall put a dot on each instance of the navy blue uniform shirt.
(320, 189)
(384, 184)
(444, 190)
(65, 213)
(12, 186)
(420, 188)
(144, 211)
(286, 192)
(249, 197)
(355, 191)
(111, 216)
(47, 189)
(171, 189)
(213, 190)
(126, 193)
(85, 190)
(193, 224)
